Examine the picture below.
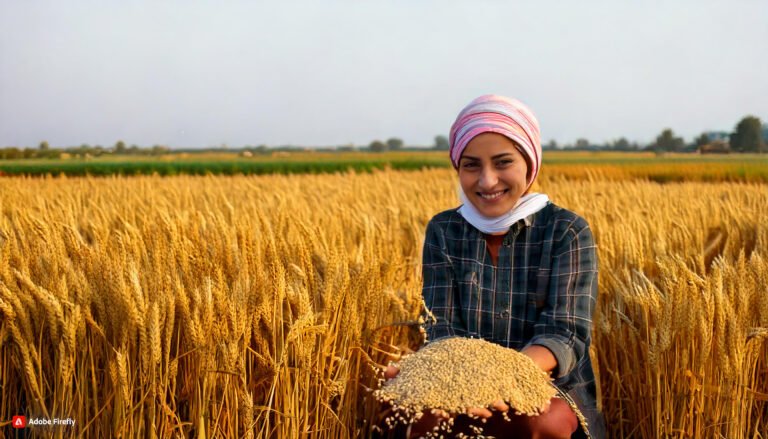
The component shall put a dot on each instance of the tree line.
(749, 135)
(44, 151)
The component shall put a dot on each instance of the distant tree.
(120, 147)
(10, 153)
(702, 140)
(748, 136)
(82, 150)
(377, 146)
(159, 150)
(582, 143)
(394, 144)
(552, 144)
(441, 142)
(620, 144)
(666, 141)
(44, 146)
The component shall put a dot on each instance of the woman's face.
(492, 173)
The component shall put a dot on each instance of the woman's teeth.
(493, 195)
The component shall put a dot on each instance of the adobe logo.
(19, 422)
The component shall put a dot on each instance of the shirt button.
(504, 314)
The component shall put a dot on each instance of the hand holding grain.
(452, 374)
(392, 370)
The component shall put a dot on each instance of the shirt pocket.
(469, 300)
(535, 303)
(536, 299)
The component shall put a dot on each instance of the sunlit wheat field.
(265, 306)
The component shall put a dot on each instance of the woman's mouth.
(492, 195)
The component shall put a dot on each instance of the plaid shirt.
(543, 290)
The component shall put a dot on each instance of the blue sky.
(198, 74)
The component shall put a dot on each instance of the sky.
(190, 74)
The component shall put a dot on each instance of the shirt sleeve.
(565, 324)
(442, 317)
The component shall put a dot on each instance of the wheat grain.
(455, 374)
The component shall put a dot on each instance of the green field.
(225, 164)
(661, 168)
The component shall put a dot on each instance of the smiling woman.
(510, 267)
(493, 174)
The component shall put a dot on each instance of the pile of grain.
(454, 374)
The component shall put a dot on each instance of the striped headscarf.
(502, 115)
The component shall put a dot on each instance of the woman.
(511, 267)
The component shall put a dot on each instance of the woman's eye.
(502, 163)
(469, 165)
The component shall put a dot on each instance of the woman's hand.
(391, 371)
(483, 412)
(429, 418)
(432, 418)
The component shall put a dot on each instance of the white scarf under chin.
(526, 205)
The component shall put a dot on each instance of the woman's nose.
(488, 179)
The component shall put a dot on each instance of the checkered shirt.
(542, 291)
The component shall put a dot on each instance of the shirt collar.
(529, 220)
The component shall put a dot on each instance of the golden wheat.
(264, 306)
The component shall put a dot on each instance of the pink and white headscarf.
(502, 115)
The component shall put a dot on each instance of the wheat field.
(264, 307)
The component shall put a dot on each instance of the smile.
(494, 195)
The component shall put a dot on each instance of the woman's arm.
(439, 290)
(565, 325)
(543, 357)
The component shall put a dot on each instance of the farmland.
(573, 165)
(260, 306)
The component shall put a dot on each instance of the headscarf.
(501, 115)
(511, 118)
